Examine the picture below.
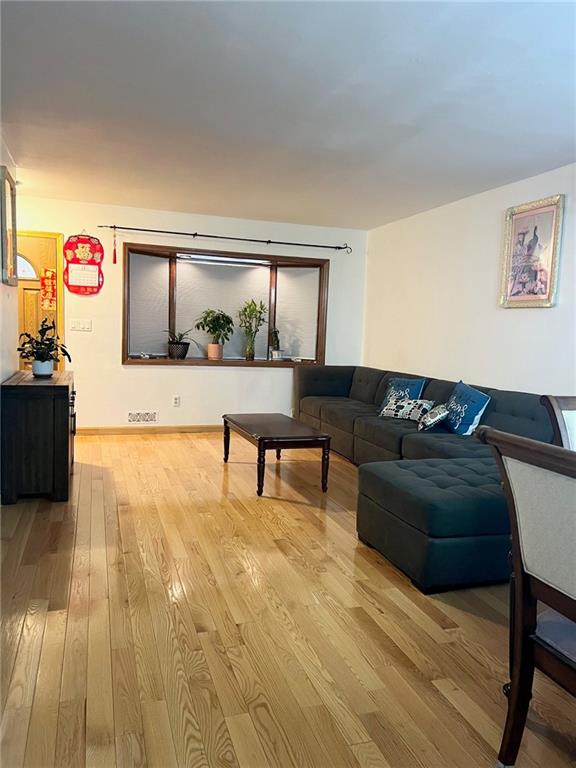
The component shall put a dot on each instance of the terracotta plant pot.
(215, 351)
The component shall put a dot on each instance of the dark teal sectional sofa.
(430, 502)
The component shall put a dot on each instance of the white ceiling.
(337, 113)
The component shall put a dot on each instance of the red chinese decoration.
(83, 255)
(48, 290)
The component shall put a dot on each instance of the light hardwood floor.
(166, 616)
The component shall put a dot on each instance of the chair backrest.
(562, 411)
(540, 484)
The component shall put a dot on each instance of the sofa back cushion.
(382, 388)
(519, 413)
(365, 383)
(438, 390)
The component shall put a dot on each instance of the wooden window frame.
(272, 261)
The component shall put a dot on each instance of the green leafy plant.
(180, 337)
(252, 317)
(217, 324)
(43, 347)
(179, 343)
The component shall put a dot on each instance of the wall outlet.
(81, 325)
(176, 401)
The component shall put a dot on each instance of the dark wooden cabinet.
(38, 427)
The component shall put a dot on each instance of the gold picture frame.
(531, 251)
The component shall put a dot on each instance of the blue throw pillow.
(465, 407)
(403, 389)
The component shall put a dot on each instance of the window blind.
(297, 290)
(148, 319)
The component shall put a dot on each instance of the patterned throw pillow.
(433, 417)
(407, 409)
(403, 389)
(465, 408)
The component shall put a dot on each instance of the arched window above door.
(26, 269)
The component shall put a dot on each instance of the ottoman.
(443, 522)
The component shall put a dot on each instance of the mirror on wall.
(8, 227)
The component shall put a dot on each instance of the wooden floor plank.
(41, 743)
(100, 745)
(246, 743)
(160, 750)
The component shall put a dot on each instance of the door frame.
(59, 237)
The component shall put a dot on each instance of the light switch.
(81, 325)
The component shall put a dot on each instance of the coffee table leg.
(226, 441)
(325, 466)
(261, 468)
(278, 453)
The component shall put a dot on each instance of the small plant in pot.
(252, 318)
(44, 349)
(179, 343)
(275, 344)
(219, 326)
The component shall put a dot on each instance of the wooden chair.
(562, 412)
(540, 485)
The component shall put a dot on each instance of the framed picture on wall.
(531, 253)
(8, 227)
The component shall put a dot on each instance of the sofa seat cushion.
(443, 445)
(312, 404)
(344, 414)
(440, 497)
(384, 431)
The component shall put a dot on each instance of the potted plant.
(275, 344)
(44, 349)
(219, 326)
(252, 317)
(179, 344)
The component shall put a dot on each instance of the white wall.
(107, 390)
(433, 289)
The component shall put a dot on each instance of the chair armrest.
(558, 408)
(327, 380)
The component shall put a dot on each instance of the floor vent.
(142, 417)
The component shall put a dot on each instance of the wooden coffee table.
(274, 430)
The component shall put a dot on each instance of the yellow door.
(38, 252)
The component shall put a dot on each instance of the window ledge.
(225, 363)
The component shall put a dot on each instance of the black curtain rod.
(344, 247)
